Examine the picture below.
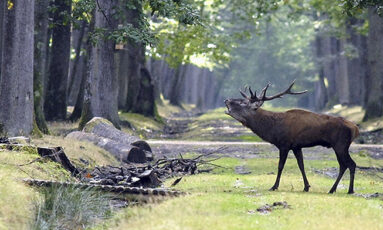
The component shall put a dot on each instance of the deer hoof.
(350, 192)
(273, 188)
(306, 189)
(331, 191)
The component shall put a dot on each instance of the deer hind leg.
(281, 165)
(298, 154)
(351, 165)
(342, 157)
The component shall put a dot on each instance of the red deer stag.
(296, 129)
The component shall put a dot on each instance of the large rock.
(124, 147)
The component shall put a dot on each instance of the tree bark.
(76, 114)
(41, 40)
(321, 97)
(123, 71)
(374, 106)
(16, 85)
(101, 85)
(56, 94)
(342, 76)
(178, 78)
(2, 11)
(329, 62)
(140, 90)
(356, 65)
(146, 99)
(74, 73)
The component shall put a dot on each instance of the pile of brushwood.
(147, 175)
(150, 175)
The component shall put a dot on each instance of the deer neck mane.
(265, 124)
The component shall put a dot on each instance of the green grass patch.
(75, 150)
(250, 138)
(215, 201)
(16, 198)
(70, 208)
(215, 114)
(139, 121)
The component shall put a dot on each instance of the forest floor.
(234, 196)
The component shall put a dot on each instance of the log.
(123, 152)
(124, 147)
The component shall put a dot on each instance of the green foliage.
(222, 25)
(353, 7)
(70, 208)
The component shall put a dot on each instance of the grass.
(214, 202)
(70, 208)
(77, 150)
(16, 198)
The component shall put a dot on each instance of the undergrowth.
(70, 208)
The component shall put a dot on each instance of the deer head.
(244, 108)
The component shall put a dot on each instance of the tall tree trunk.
(123, 73)
(2, 11)
(364, 63)
(145, 100)
(76, 61)
(321, 96)
(356, 64)
(134, 61)
(342, 76)
(41, 39)
(175, 90)
(56, 92)
(140, 90)
(101, 86)
(16, 85)
(374, 107)
(329, 61)
(76, 114)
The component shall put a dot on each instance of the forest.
(113, 83)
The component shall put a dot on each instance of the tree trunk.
(74, 73)
(76, 114)
(134, 60)
(175, 90)
(329, 73)
(56, 94)
(342, 76)
(2, 11)
(123, 72)
(356, 64)
(374, 107)
(41, 39)
(140, 89)
(321, 97)
(101, 85)
(16, 85)
(146, 100)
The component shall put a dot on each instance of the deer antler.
(253, 95)
(279, 95)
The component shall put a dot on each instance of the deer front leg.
(281, 165)
(298, 154)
